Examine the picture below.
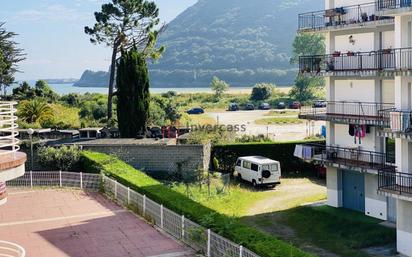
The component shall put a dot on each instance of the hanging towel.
(395, 119)
(351, 130)
(298, 151)
(307, 153)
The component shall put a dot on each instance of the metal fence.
(57, 179)
(382, 5)
(201, 239)
(395, 182)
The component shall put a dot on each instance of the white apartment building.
(368, 74)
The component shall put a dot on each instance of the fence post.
(128, 195)
(161, 216)
(31, 179)
(208, 243)
(60, 178)
(81, 180)
(183, 226)
(240, 251)
(144, 205)
(115, 189)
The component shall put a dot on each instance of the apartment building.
(368, 73)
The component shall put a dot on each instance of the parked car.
(319, 104)
(264, 106)
(258, 170)
(233, 107)
(295, 105)
(249, 107)
(281, 105)
(196, 110)
(156, 132)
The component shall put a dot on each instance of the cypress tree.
(132, 93)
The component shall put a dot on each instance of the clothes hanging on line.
(307, 152)
(400, 121)
(298, 151)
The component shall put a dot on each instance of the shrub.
(262, 92)
(65, 158)
(232, 228)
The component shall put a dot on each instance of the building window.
(390, 150)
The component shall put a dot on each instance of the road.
(275, 132)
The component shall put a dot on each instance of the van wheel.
(254, 183)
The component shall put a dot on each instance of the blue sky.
(51, 32)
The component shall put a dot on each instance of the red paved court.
(54, 223)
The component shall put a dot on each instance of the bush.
(231, 228)
(262, 92)
(65, 158)
(282, 152)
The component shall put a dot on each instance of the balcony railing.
(390, 60)
(395, 182)
(11, 249)
(340, 17)
(397, 120)
(9, 144)
(383, 5)
(351, 157)
(349, 112)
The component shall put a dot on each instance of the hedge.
(282, 152)
(229, 227)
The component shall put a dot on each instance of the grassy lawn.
(340, 231)
(279, 121)
(282, 113)
(241, 199)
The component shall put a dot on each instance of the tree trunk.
(111, 82)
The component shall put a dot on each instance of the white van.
(258, 170)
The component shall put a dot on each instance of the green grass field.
(279, 121)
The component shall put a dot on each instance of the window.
(265, 167)
(255, 167)
(239, 163)
(274, 167)
(246, 165)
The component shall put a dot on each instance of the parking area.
(60, 223)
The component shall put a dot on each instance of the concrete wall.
(159, 158)
(340, 3)
(334, 187)
(355, 90)
(375, 205)
(388, 91)
(363, 42)
(404, 227)
(343, 139)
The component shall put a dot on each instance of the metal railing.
(340, 17)
(339, 110)
(397, 120)
(179, 226)
(382, 5)
(395, 182)
(11, 249)
(352, 157)
(9, 144)
(399, 59)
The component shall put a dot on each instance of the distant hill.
(93, 79)
(241, 41)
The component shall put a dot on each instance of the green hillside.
(241, 41)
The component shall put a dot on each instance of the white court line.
(107, 213)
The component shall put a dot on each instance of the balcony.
(349, 113)
(398, 123)
(343, 17)
(391, 7)
(11, 160)
(385, 62)
(395, 184)
(348, 158)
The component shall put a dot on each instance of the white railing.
(8, 249)
(8, 128)
(191, 233)
(201, 239)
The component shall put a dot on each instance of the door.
(392, 209)
(353, 184)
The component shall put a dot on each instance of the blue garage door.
(353, 184)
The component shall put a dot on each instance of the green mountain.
(240, 41)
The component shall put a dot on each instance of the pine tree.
(133, 96)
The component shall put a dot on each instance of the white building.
(368, 73)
